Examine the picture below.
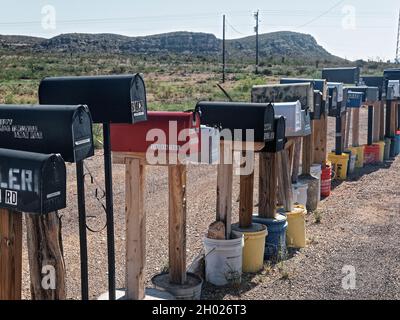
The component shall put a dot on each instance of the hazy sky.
(350, 28)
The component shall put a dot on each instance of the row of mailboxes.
(304, 92)
(163, 132)
(370, 94)
(349, 75)
(66, 130)
(32, 182)
(232, 116)
(111, 99)
(354, 99)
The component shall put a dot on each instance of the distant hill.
(276, 44)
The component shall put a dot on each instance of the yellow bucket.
(339, 164)
(381, 150)
(296, 231)
(359, 152)
(254, 246)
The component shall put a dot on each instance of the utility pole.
(398, 43)
(256, 16)
(223, 50)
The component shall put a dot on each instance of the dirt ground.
(359, 228)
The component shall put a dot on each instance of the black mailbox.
(374, 81)
(111, 99)
(319, 105)
(344, 75)
(371, 94)
(66, 130)
(333, 102)
(239, 115)
(278, 144)
(32, 182)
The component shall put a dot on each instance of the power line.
(398, 43)
(322, 14)
(234, 29)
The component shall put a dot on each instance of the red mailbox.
(166, 133)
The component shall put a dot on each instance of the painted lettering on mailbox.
(17, 180)
(20, 131)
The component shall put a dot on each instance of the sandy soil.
(359, 228)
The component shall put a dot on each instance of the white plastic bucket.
(223, 260)
(316, 172)
(352, 165)
(300, 189)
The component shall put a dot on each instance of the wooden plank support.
(393, 119)
(382, 121)
(284, 180)
(343, 129)
(45, 253)
(348, 127)
(177, 223)
(377, 122)
(267, 185)
(135, 235)
(370, 124)
(320, 136)
(224, 188)
(246, 200)
(308, 149)
(10, 255)
(356, 127)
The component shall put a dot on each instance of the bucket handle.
(333, 174)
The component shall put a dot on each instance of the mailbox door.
(82, 134)
(269, 123)
(316, 115)
(278, 144)
(54, 184)
(333, 104)
(305, 123)
(111, 99)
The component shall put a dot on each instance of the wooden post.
(45, 252)
(348, 126)
(224, 188)
(377, 121)
(135, 229)
(356, 127)
(343, 127)
(296, 159)
(246, 200)
(177, 223)
(267, 185)
(320, 136)
(393, 119)
(308, 150)
(284, 180)
(382, 121)
(10, 255)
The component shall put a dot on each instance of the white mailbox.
(339, 86)
(292, 112)
(393, 90)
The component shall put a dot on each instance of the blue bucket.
(397, 147)
(275, 244)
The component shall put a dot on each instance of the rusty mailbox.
(232, 116)
(32, 182)
(66, 130)
(304, 92)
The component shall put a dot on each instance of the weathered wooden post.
(10, 254)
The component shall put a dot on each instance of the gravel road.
(359, 228)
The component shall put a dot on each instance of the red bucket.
(326, 181)
(371, 154)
